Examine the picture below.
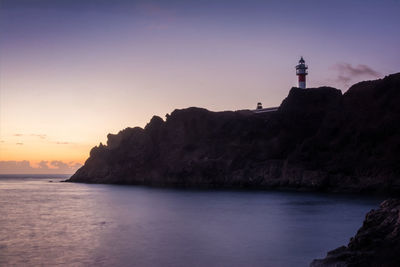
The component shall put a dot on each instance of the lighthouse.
(301, 71)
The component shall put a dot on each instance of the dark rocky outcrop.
(318, 139)
(377, 242)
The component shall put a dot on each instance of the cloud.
(347, 73)
(359, 70)
(41, 136)
(23, 165)
(19, 144)
(43, 167)
(59, 164)
(62, 143)
(75, 164)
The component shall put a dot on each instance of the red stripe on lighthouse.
(302, 78)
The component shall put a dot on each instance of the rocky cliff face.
(377, 242)
(318, 139)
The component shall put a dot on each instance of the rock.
(318, 139)
(377, 242)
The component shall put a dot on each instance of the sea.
(46, 222)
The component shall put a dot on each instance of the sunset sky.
(73, 71)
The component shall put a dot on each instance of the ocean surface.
(44, 222)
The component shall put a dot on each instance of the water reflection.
(104, 225)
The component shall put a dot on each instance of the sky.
(73, 71)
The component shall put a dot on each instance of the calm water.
(51, 223)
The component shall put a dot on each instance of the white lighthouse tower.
(301, 71)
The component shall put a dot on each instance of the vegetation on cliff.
(318, 139)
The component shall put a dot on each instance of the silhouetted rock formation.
(318, 139)
(377, 242)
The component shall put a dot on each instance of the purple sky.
(73, 71)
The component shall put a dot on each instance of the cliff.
(318, 139)
(377, 242)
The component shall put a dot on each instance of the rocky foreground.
(377, 242)
(318, 139)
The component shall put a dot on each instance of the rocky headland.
(318, 139)
(377, 242)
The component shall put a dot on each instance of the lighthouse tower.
(301, 71)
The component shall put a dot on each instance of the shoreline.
(383, 195)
